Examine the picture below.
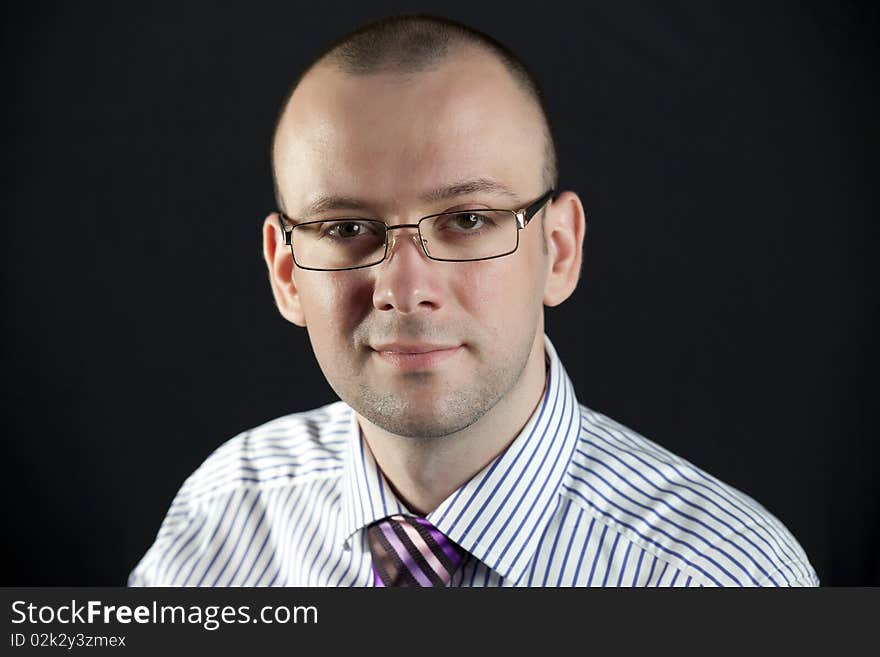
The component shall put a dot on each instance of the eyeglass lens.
(350, 243)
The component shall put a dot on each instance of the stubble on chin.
(422, 405)
(414, 411)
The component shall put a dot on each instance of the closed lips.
(412, 349)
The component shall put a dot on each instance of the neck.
(423, 473)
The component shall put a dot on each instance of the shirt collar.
(366, 494)
(499, 515)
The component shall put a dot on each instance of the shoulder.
(678, 512)
(288, 450)
(231, 493)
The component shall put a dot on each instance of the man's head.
(409, 45)
(399, 121)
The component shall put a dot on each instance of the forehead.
(391, 136)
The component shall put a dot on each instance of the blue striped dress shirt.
(576, 500)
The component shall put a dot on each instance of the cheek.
(499, 292)
(333, 303)
(476, 284)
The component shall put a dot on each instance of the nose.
(407, 280)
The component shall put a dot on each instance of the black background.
(727, 309)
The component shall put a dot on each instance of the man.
(418, 240)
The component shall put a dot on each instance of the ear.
(279, 261)
(564, 227)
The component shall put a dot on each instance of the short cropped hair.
(413, 43)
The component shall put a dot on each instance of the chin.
(426, 405)
(412, 419)
(420, 428)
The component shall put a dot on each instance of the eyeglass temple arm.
(533, 209)
(287, 230)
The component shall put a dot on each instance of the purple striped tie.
(410, 551)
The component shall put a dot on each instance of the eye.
(346, 229)
(467, 221)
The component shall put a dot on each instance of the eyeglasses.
(457, 236)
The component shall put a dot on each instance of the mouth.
(412, 357)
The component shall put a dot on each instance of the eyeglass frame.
(523, 217)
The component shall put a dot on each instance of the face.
(419, 347)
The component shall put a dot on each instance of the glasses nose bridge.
(392, 238)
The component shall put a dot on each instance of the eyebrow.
(444, 193)
(483, 185)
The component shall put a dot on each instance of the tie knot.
(410, 551)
